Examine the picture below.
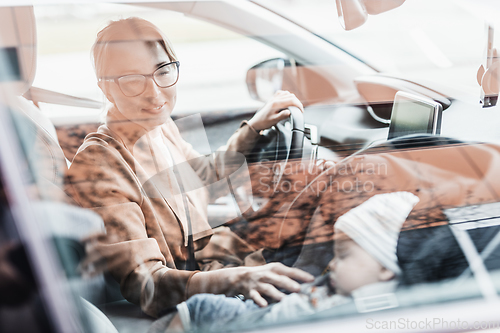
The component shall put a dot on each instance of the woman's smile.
(156, 109)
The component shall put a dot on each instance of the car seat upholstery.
(39, 138)
(66, 224)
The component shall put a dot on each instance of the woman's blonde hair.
(131, 29)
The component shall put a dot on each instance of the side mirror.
(306, 82)
(265, 78)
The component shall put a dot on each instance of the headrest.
(18, 48)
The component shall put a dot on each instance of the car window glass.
(445, 254)
(418, 38)
(214, 60)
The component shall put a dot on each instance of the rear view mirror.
(354, 13)
(374, 7)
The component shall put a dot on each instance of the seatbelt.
(191, 264)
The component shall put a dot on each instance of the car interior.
(336, 126)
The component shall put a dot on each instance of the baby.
(366, 241)
(365, 265)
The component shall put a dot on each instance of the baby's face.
(352, 268)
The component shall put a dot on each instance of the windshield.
(417, 39)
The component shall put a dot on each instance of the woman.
(150, 231)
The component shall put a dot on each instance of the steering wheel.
(283, 141)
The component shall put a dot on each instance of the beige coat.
(147, 229)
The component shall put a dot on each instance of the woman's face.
(152, 107)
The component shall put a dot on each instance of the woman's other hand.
(254, 282)
(275, 110)
(261, 281)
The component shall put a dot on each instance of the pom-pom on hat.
(375, 225)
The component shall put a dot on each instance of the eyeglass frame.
(116, 78)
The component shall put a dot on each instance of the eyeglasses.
(135, 84)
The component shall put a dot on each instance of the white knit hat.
(375, 225)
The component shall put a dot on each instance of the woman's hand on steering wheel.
(264, 281)
(275, 110)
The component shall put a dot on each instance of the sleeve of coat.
(101, 180)
(244, 139)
